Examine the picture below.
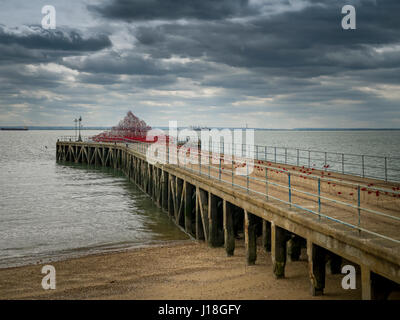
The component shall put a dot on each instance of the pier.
(336, 216)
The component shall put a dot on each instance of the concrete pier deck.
(349, 217)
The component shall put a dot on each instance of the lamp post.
(80, 121)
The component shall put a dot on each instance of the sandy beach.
(182, 270)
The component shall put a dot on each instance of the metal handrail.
(207, 167)
(290, 188)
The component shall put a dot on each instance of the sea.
(53, 211)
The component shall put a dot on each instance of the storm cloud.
(171, 9)
(277, 64)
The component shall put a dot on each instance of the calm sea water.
(374, 143)
(50, 210)
(54, 210)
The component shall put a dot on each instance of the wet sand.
(185, 270)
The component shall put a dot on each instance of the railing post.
(168, 151)
(309, 158)
(298, 157)
(359, 205)
(265, 153)
(256, 152)
(209, 157)
(247, 168)
(319, 198)
(290, 189)
(326, 160)
(266, 181)
(199, 151)
(177, 149)
(219, 166)
(233, 163)
(275, 154)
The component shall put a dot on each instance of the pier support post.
(150, 180)
(171, 184)
(229, 235)
(294, 248)
(374, 286)
(214, 237)
(159, 188)
(164, 191)
(366, 287)
(250, 237)
(278, 250)
(203, 198)
(136, 170)
(188, 208)
(266, 235)
(180, 219)
(316, 265)
(199, 220)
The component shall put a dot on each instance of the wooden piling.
(216, 235)
(199, 220)
(250, 237)
(366, 288)
(203, 199)
(188, 207)
(164, 190)
(172, 199)
(229, 236)
(278, 250)
(316, 268)
(180, 199)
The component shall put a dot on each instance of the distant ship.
(15, 129)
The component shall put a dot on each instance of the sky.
(227, 63)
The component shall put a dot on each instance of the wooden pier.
(215, 211)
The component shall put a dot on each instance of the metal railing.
(365, 166)
(220, 171)
(75, 139)
(216, 167)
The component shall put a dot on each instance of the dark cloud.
(35, 37)
(219, 62)
(35, 44)
(134, 10)
(310, 41)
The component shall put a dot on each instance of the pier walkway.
(333, 214)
